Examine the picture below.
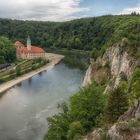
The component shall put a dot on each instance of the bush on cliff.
(85, 109)
(117, 104)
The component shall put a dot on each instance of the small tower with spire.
(28, 43)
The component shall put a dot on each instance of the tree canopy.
(84, 34)
(7, 51)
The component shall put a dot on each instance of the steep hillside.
(121, 70)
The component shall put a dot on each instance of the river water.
(25, 107)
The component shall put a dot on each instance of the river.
(25, 107)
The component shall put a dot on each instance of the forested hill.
(84, 34)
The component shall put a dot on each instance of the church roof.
(22, 49)
(34, 49)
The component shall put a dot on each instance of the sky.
(64, 10)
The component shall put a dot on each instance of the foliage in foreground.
(85, 108)
(90, 109)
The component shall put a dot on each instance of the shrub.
(18, 71)
(83, 114)
(75, 130)
(12, 73)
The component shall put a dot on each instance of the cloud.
(130, 10)
(50, 10)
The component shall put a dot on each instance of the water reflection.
(40, 74)
(19, 84)
(30, 81)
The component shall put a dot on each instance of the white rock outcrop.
(87, 78)
(119, 62)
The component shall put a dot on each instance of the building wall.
(30, 55)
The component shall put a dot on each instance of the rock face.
(87, 78)
(115, 64)
(121, 64)
(133, 112)
(119, 133)
(95, 135)
(128, 126)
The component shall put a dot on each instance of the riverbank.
(53, 60)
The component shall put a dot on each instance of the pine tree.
(117, 105)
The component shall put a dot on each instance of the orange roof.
(18, 44)
(34, 49)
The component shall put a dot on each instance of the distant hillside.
(84, 34)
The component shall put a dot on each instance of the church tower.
(28, 43)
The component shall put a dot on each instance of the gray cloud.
(50, 10)
(130, 10)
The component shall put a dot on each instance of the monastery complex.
(29, 51)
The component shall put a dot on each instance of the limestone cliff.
(115, 65)
(87, 78)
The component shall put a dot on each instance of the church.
(29, 51)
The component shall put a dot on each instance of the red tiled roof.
(18, 44)
(33, 49)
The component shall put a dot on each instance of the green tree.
(2, 60)
(83, 114)
(7, 51)
(94, 53)
(135, 86)
(75, 130)
(77, 43)
(12, 73)
(59, 124)
(18, 70)
(117, 104)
